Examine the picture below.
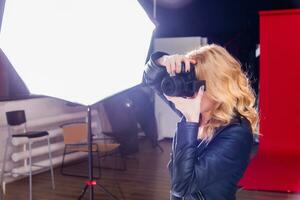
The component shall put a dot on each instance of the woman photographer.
(212, 144)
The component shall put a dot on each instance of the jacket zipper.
(199, 194)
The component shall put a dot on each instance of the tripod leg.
(107, 192)
(91, 182)
(83, 192)
(160, 148)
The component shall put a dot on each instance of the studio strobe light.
(78, 50)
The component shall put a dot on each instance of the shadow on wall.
(125, 111)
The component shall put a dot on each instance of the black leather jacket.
(199, 169)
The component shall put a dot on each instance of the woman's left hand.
(189, 107)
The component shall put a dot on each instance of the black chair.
(18, 118)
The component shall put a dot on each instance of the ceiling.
(219, 20)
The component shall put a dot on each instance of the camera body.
(183, 84)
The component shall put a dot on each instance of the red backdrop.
(277, 164)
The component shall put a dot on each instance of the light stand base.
(90, 185)
(157, 145)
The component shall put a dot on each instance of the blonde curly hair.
(227, 85)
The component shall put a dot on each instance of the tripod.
(89, 185)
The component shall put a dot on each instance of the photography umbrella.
(78, 50)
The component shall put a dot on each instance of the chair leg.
(51, 164)
(99, 161)
(114, 155)
(3, 168)
(30, 171)
(64, 166)
(123, 158)
(63, 161)
(117, 180)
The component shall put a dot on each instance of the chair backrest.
(16, 117)
(75, 133)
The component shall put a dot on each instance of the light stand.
(91, 182)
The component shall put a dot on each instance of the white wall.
(42, 114)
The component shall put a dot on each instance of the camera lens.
(172, 86)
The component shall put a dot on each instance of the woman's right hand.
(173, 63)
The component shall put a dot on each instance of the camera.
(183, 84)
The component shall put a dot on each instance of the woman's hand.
(189, 107)
(173, 63)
